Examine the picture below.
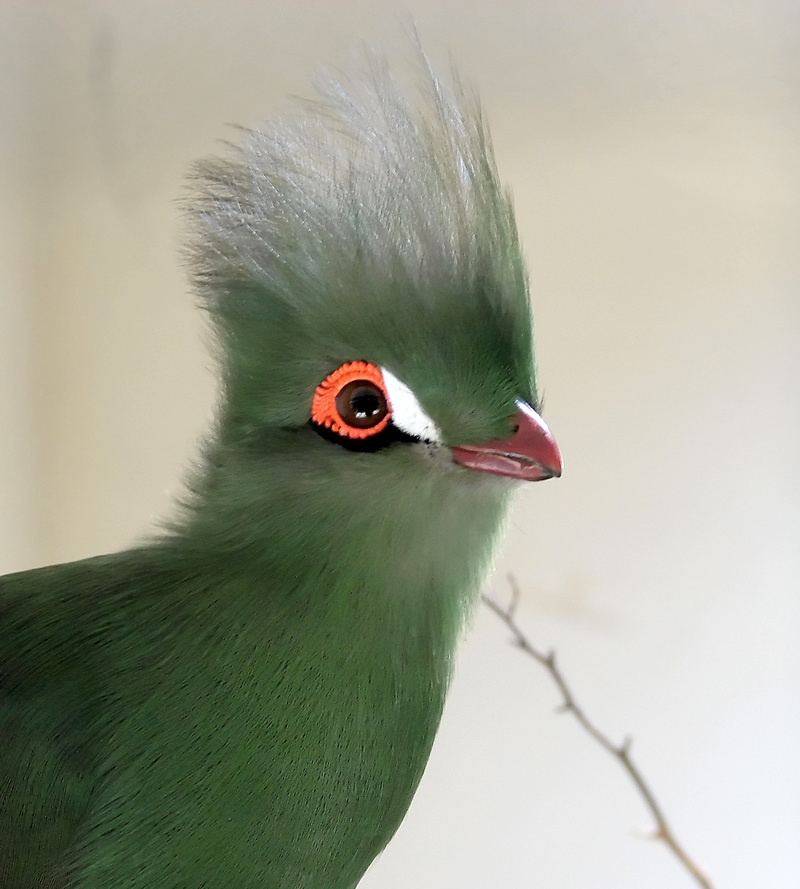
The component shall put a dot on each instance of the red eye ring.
(329, 410)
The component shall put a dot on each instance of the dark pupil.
(361, 404)
(365, 405)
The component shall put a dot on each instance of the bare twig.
(621, 752)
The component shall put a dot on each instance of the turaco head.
(361, 266)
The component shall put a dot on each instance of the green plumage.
(249, 700)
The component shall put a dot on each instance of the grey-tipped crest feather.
(359, 174)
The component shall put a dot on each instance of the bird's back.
(52, 680)
(184, 730)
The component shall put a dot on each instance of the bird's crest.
(371, 224)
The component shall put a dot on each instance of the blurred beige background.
(654, 153)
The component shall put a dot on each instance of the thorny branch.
(621, 752)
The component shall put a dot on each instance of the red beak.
(530, 454)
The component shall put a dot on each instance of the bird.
(249, 696)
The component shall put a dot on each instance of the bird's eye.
(352, 401)
(362, 404)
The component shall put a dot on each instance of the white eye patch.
(407, 414)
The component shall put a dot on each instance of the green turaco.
(249, 699)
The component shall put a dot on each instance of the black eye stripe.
(383, 439)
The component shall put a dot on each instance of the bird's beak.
(530, 454)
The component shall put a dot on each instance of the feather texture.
(366, 221)
(249, 700)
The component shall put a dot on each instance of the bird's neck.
(408, 554)
(331, 619)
